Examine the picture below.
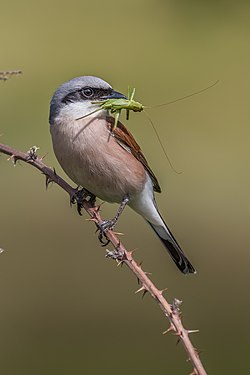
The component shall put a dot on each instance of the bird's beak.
(114, 95)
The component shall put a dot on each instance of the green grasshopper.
(115, 106)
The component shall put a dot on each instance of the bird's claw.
(79, 196)
(102, 235)
(110, 224)
(107, 225)
(103, 227)
(116, 254)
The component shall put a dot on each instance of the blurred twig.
(120, 254)
(4, 75)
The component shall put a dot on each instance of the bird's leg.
(79, 196)
(110, 224)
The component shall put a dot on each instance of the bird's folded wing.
(127, 141)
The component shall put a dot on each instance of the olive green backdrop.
(65, 309)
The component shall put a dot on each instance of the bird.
(106, 161)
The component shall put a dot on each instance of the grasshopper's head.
(79, 97)
(136, 106)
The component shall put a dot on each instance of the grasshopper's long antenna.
(88, 114)
(131, 97)
(184, 97)
(162, 147)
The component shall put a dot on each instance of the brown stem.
(171, 311)
(4, 75)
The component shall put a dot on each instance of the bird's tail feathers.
(173, 248)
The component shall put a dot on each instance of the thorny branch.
(4, 75)
(120, 254)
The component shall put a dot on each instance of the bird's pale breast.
(93, 159)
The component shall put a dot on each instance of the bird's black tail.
(173, 248)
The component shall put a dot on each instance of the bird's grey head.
(77, 93)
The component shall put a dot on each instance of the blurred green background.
(65, 309)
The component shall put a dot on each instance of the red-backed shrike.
(107, 162)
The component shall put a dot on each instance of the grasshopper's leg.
(131, 95)
(117, 116)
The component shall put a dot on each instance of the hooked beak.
(114, 95)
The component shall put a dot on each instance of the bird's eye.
(88, 92)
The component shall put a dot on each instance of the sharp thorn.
(192, 331)
(144, 292)
(97, 208)
(44, 156)
(13, 159)
(171, 328)
(178, 334)
(129, 255)
(131, 252)
(140, 290)
(120, 263)
(198, 352)
(47, 181)
(163, 290)
(118, 233)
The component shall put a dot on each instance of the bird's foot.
(116, 254)
(110, 224)
(79, 196)
(103, 228)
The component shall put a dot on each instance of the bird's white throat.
(75, 110)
